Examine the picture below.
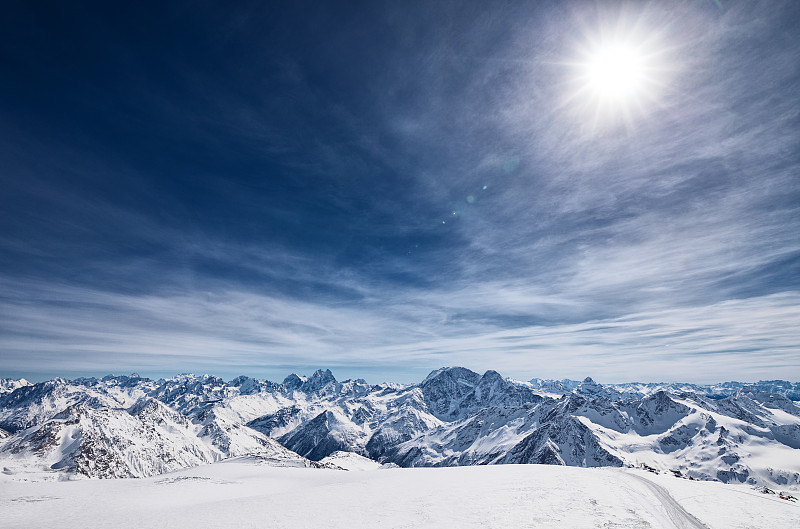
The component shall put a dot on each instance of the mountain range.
(130, 426)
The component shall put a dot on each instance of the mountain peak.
(293, 381)
(325, 375)
(454, 373)
(491, 374)
(317, 381)
(591, 388)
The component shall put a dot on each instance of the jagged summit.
(318, 381)
(451, 373)
(293, 381)
(590, 387)
(491, 374)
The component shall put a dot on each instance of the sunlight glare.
(619, 72)
(616, 72)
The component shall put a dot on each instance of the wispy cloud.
(441, 196)
(68, 328)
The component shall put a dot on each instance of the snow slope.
(242, 493)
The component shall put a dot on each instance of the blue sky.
(384, 188)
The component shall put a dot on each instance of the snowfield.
(245, 492)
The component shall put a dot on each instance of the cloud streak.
(231, 331)
(439, 196)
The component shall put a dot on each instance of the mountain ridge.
(455, 416)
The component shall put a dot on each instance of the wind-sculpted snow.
(121, 426)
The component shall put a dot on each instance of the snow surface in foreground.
(243, 493)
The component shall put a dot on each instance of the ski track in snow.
(677, 514)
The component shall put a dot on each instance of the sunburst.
(617, 75)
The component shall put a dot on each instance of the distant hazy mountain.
(130, 426)
(7, 385)
(791, 390)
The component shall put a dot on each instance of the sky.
(385, 188)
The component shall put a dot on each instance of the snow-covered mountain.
(147, 439)
(7, 385)
(34, 404)
(133, 426)
(791, 390)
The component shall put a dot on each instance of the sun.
(617, 81)
(616, 72)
